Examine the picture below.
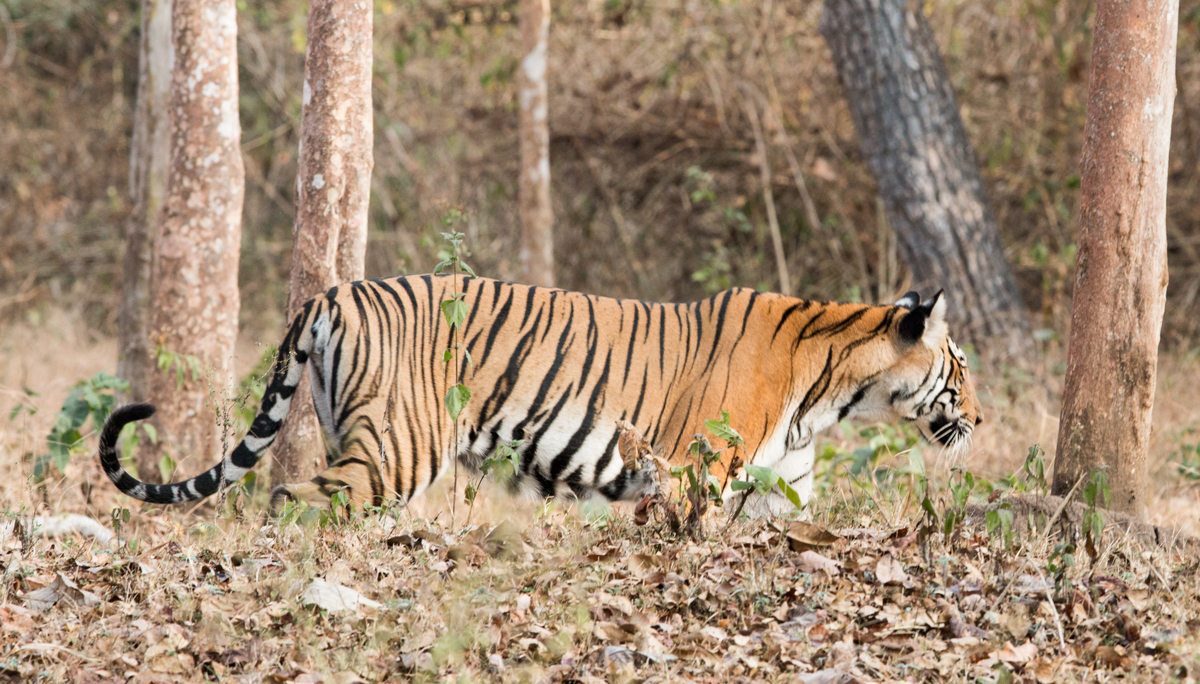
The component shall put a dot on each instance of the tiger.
(559, 373)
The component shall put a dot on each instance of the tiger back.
(559, 371)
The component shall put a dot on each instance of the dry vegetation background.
(656, 195)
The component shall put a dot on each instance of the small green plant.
(181, 364)
(22, 407)
(93, 398)
(1060, 561)
(713, 276)
(697, 485)
(252, 387)
(1187, 457)
(340, 509)
(962, 483)
(119, 517)
(700, 183)
(454, 310)
(1035, 470)
(999, 523)
(1094, 491)
(763, 480)
(502, 465)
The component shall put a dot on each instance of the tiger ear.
(926, 322)
(910, 300)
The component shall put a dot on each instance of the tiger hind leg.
(354, 473)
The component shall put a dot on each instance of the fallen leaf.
(336, 598)
(1140, 598)
(812, 562)
(828, 676)
(1031, 585)
(642, 564)
(61, 589)
(14, 618)
(715, 633)
(1112, 658)
(632, 446)
(1021, 654)
(610, 631)
(803, 536)
(889, 571)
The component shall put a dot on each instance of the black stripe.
(594, 406)
(720, 327)
(798, 307)
(632, 343)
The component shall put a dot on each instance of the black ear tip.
(910, 300)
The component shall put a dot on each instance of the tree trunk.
(907, 118)
(149, 154)
(195, 293)
(334, 187)
(537, 219)
(1121, 270)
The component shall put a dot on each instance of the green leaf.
(927, 505)
(62, 456)
(766, 476)
(456, 400)
(166, 466)
(992, 520)
(690, 471)
(455, 311)
(740, 485)
(721, 429)
(151, 432)
(790, 494)
(40, 466)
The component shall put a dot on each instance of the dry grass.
(556, 595)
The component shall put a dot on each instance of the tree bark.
(194, 284)
(334, 189)
(1121, 269)
(537, 219)
(911, 132)
(149, 155)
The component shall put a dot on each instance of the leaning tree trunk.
(149, 154)
(334, 185)
(537, 220)
(195, 293)
(1121, 270)
(907, 118)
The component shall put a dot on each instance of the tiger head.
(929, 383)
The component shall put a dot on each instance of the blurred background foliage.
(656, 186)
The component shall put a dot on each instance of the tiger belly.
(558, 458)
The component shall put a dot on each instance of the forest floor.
(868, 589)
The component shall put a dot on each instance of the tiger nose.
(979, 419)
